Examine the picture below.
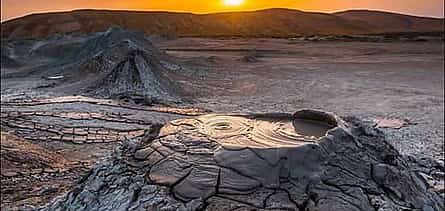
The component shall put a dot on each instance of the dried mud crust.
(30, 129)
(73, 127)
(32, 175)
(221, 162)
(51, 143)
(104, 102)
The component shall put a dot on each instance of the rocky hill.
(392, 22)
(263, 23)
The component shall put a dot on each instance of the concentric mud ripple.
(262, 132)
(221, 126)
(278, 133)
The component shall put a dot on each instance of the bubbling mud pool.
(268, 131)
(265, 147)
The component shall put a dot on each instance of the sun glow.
(233, 3)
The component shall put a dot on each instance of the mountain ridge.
(275, 22)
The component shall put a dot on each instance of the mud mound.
(111, 64)
(101, 52)
(307, 161)
(138, 79)
(117, 39)
(125, 65)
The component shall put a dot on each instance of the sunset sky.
(16, 8)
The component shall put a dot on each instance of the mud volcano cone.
(310, 160)
(125, 65)
(137, 77)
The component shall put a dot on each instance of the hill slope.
(263, 23)
(392, 22)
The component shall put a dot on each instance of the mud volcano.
(310, 160)
(127, 66)
(116, 64)
(136, 78)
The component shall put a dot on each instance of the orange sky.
(15, 8)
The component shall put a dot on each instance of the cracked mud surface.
(68, 134)
(33, 175)
(52, 106)
(183, 167)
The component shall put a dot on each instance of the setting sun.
(233, 2)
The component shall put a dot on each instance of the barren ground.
(400, 80)
(394, 80)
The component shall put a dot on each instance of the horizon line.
(209, 13)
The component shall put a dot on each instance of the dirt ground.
(391, 80)
(395, 80)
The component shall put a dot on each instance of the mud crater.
(262, 131)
